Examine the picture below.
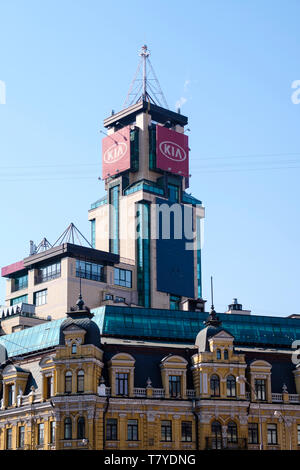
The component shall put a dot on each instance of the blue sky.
(66, 64)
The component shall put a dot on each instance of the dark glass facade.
(114, 194)
(143, 253)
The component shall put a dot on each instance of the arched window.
(68, 382)
(215, 386)
(232, 432)
(225, 353)
(216, 433)
(218, 354)
(68, 428)
(81, 428)
(74, 348)
(231, 386)
(80, 381)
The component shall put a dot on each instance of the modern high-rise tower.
(147, 216)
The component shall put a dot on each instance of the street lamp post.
(278, 414)
(241, 379)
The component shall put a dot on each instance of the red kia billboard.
(172, 151)
(116, 152)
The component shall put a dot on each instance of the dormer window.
(121, 384)
(10, 394)
(49, 382)
(260, 389)
(175, 386)
(218, 354)
(226, 354)
(74, 348)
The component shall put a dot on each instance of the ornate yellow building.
(83, 388)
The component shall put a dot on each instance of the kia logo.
(115, 153)
(172, 151)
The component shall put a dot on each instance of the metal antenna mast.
(145, 85)
(212, 292)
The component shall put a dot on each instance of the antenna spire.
(145, 85)
(212, 292)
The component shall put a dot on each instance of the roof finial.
(212, 293)
(212, 319)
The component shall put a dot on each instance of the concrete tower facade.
(147, 216)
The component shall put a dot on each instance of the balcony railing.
(77, 443)
(223, 443)
(140, 392)
(294, 398)
(277, 397)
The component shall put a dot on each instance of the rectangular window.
(119, 299)
(41, 434)
(93, 233)
(253, 433)
(20, 282)
(260, 389)
(18, 300)
(298, 432)
(152, 147)
(10, 394)
(87, 270)
(48, 272)
(134, 149)
(121, 384)
(173, 193)
(175, 302)
(175, 386)
(48, 387)
(40, 297)
(9, 438)
(111, 429)
(132, 430)
(52, 432)
(21, 437)
(272, 433)
(166, 431)
(186, 431)
(114, 220)
(123, 277)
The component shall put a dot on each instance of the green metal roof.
(157, 324)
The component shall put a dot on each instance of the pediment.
(223, 334)
(73, 329)
(46, 361)
(170, 360)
